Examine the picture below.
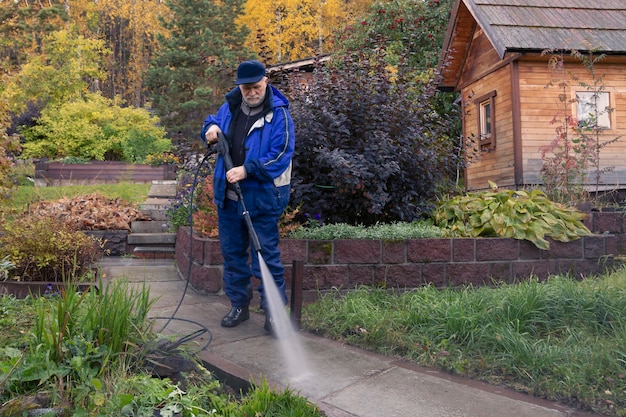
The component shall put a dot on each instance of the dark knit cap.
(250, 72)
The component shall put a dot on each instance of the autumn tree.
(23, 26)
(196, 62)
(129, 29)
(295, 29)
(64, 71)
(413, 29)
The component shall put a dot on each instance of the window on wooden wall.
(593, 109)
(487, 121)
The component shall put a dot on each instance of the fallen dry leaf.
(90, 212)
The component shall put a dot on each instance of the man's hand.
(211, 134)
(236, 174)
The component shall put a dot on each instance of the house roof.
(299, 64)
(537, 25)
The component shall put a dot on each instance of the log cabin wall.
(496, 162)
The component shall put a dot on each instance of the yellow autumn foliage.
(296, 29)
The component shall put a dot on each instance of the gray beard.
(251, 111)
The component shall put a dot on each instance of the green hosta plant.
(524, 215)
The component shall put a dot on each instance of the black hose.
(180, 302)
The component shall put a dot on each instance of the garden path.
(346, 381)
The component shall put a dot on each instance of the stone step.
(152, 237)
(155, 215)
(154, 252)
(154, 249)
(155, 208)
(153, 203)
(144, 239)
(146, 226)
(161, 190)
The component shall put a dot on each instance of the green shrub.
(371, 149)
(179, 210)
(524, 215)
(5, 266)
(45, 250)
(79, 342)
(191, 187)
(95, 128)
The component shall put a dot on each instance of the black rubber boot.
(235, 316)
(270, 325)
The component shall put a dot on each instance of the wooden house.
(503, 58)
(279, 74)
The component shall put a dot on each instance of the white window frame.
(487, 122)
(586, 108)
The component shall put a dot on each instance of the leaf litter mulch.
(90, 212)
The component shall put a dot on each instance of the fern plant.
(524, 215)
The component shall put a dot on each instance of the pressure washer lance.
(224, 148)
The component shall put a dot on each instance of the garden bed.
(100, 172)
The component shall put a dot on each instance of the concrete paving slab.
(138, 270)
(332, 367)
(209, 316)
(407, 393)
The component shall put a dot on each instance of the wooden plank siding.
(483, 73)
(541, 105)
(100, 172)
(497, 164)
(481, 59)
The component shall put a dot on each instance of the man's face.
(253, 94)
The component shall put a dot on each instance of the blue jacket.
(269, 148)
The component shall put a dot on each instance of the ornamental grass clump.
(524, 215)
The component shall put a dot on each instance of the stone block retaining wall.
(410, 263)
